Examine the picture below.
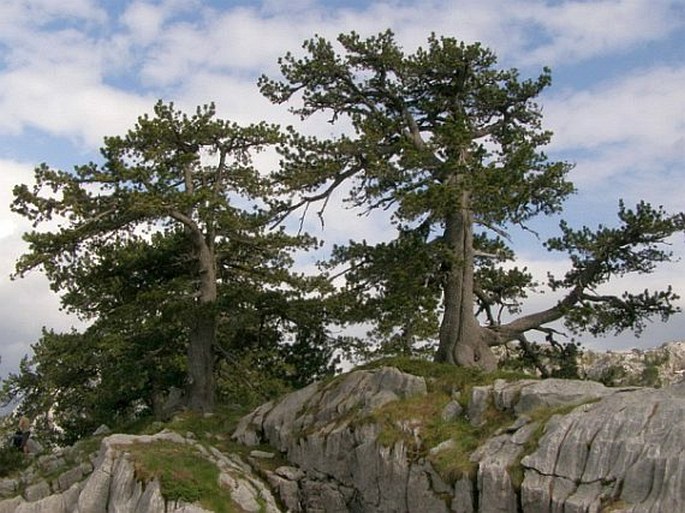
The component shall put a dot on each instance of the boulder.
(113, 487)
(626, 449)
(613, 449)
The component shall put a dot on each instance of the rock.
(288, 490)
(67, 479)
(616, 450)
(113, 486)
(361, 391)
(550, 393)
(8, 487)
(51, 463)
(625, 448)
(11, 505)
(465, 494)
(262, 455)
(241, 492)
(660, 366)
(481, 400)
(613, 446)
(495, 488)
(33, 446)
(57, 503)
(421, 496)
(323, 497)
(443, 446)
(125, 491)
(103, 430)
(37, 491)
(167, 404)
(451, 411)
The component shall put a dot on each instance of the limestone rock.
(451, 411)
(316, 406)
(659, 366)
(37, 491)
(624, 448)
(8, 487)
(612, 449)
(617, 448)
(67, 479)
(103, 430)
(113, 487)
(550, 393)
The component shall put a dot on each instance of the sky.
(74, 71)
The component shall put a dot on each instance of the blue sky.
(74, 71)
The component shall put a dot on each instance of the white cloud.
(64, 104)
(577, 30)
(144, 21)
(625, 135)
(645, 107)
(18, 13)
(27, 304)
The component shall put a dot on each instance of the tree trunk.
(462, 339)
(201, 361)
(201, 384)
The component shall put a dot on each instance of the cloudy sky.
(74, 71)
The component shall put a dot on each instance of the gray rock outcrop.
(658, 366)
(572, 446)
(111, 485)
(360, 443)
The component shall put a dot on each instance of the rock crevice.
(599, 447)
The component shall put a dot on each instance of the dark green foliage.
(11, 460)
(637, 245)
(171, 247)
(552, 360)
(165, 249)
(451, 147)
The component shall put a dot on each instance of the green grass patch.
(183, 473)
(445, 377)
(417, 422)
(216, 430)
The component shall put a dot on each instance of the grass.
(444, 377)
(183, 473)
(417, 421)
(615, 506)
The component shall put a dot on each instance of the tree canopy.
(174, 247)
(160, 245)
(452, 147)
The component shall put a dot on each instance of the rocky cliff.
(562, 446)
(383, 440)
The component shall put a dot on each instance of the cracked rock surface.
(112, 486)
(564, 446)
(628, 450)
(613, 449)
